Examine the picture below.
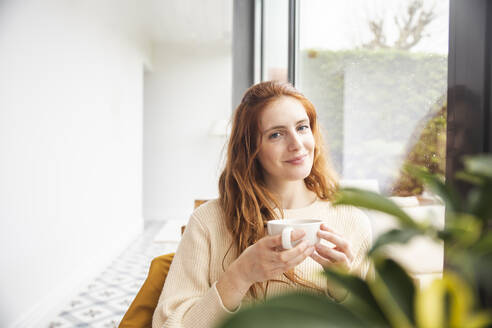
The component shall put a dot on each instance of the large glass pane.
(275, 39)
(377, 74)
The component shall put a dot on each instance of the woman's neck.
(293, 194)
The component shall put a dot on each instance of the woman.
(276, 168)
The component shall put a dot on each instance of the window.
(377, 73)
(275, 35)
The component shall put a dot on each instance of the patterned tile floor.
(104, 301)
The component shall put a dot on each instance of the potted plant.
(391, 299)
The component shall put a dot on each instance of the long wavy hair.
(243, 195)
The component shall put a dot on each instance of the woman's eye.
(274, 135)
(303, 127)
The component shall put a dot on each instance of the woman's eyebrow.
(283, 126)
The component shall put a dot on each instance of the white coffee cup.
(285, 228)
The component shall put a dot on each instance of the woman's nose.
(295, 142)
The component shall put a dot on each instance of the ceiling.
(171, 21)
(187, 21)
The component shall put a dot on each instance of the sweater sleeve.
(362, 239)
(189, 298)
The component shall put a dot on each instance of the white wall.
(189, 88)
(70, 149)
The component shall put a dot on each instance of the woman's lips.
(297, 160)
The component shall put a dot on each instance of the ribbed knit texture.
(189, 297)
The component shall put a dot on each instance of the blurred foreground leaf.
(450, 301)
(360, 301)
(393, 236)
(373, 201)
(436, 184)
(293, 311)
(479, 202)
(395, 292)
(480, 165)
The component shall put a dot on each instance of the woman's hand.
(266, 260)
(340, 256)
(260, 262)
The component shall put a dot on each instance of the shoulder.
(209, 208)
(208, 215)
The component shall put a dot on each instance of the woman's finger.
(321, 260)
(331, 254)
(297, 234)
(275, 242)
(300, 258)
(325, 227)
(333, 238)
(272, 242)
(345, 247)
(348, 253)
(280, 256)
(287, 255)
(292, 257)
(340, 243)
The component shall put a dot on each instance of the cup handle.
(286, 244)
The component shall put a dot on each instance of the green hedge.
(371, 102)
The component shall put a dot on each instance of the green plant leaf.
(462, 261)
(482, 269)
(470, 178)
(479, 320)
(479, 201)
(473, 263)
(445, 302)
(484, 245)
(293, 311)
(447, 193)
(373, 201)
(479, 164)
(360, 301)
(464, 230)
(394, 236)
(396, 285)
(445, 235)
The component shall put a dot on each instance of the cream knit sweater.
(189, 297)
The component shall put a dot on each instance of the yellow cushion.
(139, 314)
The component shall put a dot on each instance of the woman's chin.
(295, 176)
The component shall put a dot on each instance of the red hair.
(243, 196)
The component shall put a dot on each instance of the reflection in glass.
(427, 148)
(377, 73)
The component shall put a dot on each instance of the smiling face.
(287, 143)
